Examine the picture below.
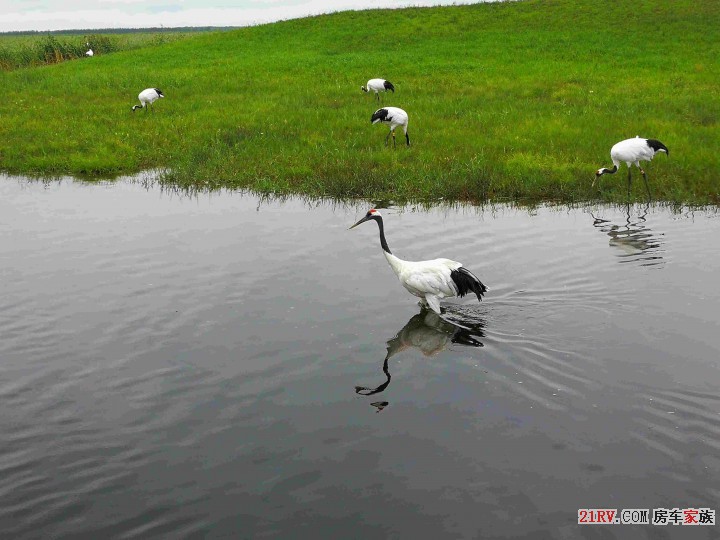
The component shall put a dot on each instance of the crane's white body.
(377, 86)
(396, 117)
(428, 280)
(89, 52)
(632, 152)
(148, 97)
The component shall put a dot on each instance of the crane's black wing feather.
(465, 282)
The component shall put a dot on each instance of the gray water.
(225, 367)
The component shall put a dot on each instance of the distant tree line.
(153, 30)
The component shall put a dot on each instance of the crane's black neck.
(383, 242)
(611, 171)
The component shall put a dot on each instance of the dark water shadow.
(634, 240)
(431, 334)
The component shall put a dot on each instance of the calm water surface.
(223, 367)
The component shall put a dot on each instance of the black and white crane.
(632, 152)
(395, 117)
(431, 281)
(377, 86)
(147, 97)
(89, 52)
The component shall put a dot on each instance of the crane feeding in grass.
(395, 117)
(89, 52)
(632, 152)
(431, 281)
(147, 97)
(377, 86)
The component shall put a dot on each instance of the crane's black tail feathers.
(657, 146)
(465, 282)
(389, 86)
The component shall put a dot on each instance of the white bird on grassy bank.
(395, 117)
(377, 86)
(430, 281)
(147, 97)
(632, 152)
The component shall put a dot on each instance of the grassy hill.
(517, 100)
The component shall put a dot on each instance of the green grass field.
(518, 101)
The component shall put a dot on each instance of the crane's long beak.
(363, 220)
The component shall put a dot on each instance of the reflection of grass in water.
(506, 101)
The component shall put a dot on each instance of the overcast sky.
(43, 15)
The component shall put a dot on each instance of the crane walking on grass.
(147, 97)
(431, 281)
(395, 117)
(377, 86)
(632, 152)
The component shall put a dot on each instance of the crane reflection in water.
(635, 241)
(431, 334)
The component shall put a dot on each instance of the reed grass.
(30, 50)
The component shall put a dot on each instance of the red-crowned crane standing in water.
(146, 97)
(377, 86)
(632, 152)
(431, 281)
(395, 117)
